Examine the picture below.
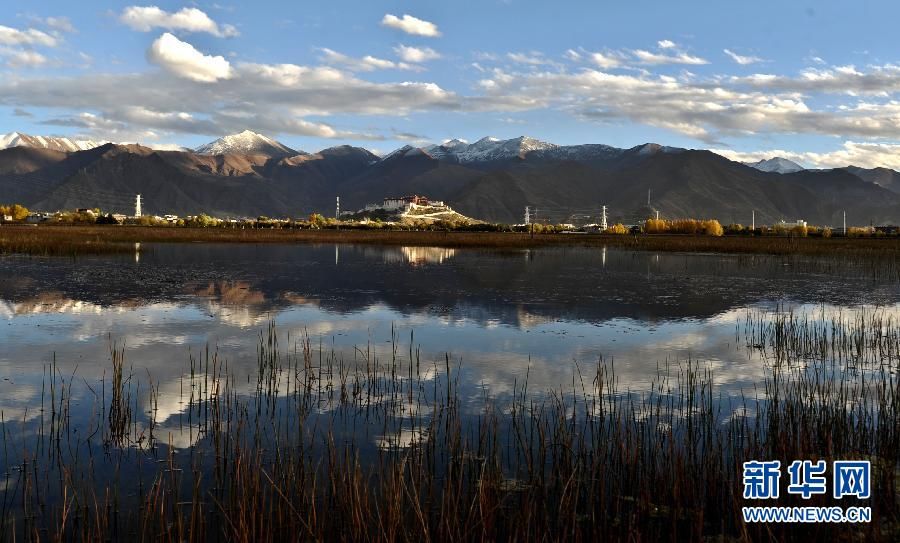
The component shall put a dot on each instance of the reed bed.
(314, 444)
(37, 241)
(73, 240)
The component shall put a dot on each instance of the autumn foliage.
(709, 227)
(16, 211)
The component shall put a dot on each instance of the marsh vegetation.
(316, 444)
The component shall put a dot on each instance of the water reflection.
(499, 314)
(374, 340)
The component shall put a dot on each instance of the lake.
(189, 320)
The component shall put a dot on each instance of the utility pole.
(137, 207)
(648, 197)
(657, 214)
(845, 223)
(753, 227)
(532, 225)
(603, 225)
(337, 210)
(527, 215)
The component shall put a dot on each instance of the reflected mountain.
(246, 284)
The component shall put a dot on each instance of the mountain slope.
(884, 177)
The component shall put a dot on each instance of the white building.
(404, 204)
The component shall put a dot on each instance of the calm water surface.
(496, 319)
(499, 315)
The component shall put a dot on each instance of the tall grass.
(79, 240)
(315, 445)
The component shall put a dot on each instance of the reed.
(316, 444)
(79, 240)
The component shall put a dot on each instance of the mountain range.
(248, 174)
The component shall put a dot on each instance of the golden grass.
(74, 240)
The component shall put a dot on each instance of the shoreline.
(74, 240)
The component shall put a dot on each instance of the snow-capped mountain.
(776, 165)
(66, 145)
(487, 149)
(246, 143)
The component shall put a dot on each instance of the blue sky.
(816, 82)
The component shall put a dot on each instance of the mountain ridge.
(491, 179)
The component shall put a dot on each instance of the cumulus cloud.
(183, 60)
(416, 55)
(29, 36)
(665, 44)
(147, 18)
(411, 25)
(742, 59)
(367, 63)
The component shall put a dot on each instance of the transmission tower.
(603, 225)
(527, 215)
(137, 207)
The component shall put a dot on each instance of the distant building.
(36, 218)
(798, 222)
(404, 204)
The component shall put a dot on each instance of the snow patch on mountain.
(487, 149)
(776, 165)
(66, 145)
(491, 149)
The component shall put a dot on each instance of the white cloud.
(30, 36)
(705, 110)
(532, 59)
(741, 59)
(21, 58)
(62, 24)
(367, 63)
(606, 60)
(572, 55)
(183, 60)
(881, 81)
(416, 55)
(268, 98)
(295, 99)
(646, 57)
(665, 44)
(147, 18)
(863, 154)
(411, 25)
